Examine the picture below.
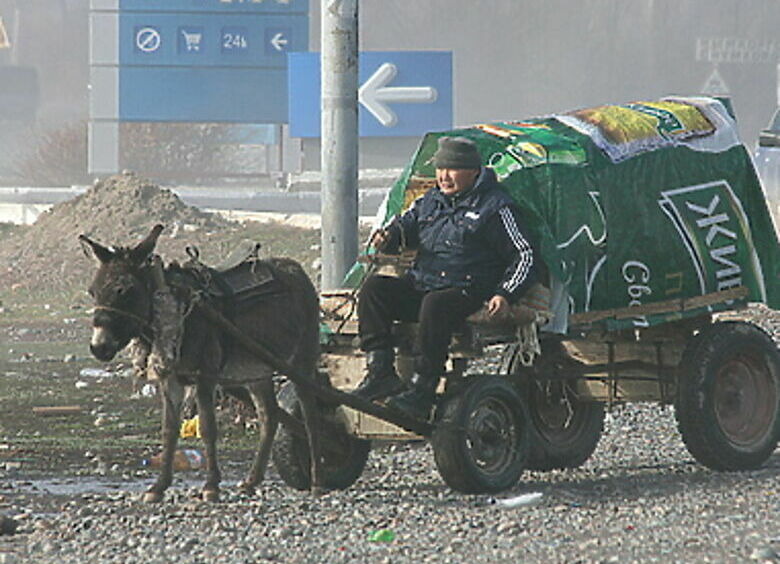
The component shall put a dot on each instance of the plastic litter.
(381, 535)
(94, 373)
(517, 501)
(190, 428)
(183, 459)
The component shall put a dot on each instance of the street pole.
(339, 151)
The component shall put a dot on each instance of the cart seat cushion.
(527, 310)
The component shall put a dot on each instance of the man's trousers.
(385, 299)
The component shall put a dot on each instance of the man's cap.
(456, 152)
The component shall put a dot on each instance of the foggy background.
(512, 59)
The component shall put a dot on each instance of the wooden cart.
(723, 377)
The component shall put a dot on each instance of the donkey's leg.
(172, 396)
(311, 420)
(266, 410)
(208, 429)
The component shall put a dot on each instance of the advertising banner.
(632, 205)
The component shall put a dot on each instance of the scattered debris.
(190, 428)
(95, 373)
(517, 501)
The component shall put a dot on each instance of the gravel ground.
(640, 498)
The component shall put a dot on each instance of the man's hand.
(379, 239)
(498, 306)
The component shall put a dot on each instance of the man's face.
(451, 181)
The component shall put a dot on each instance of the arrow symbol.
(278, 41)
(375, 94)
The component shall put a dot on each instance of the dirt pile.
(119, 210)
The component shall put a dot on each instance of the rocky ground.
(70, 485)
(75, 497)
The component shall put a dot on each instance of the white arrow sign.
(279, 41)
(375, 94)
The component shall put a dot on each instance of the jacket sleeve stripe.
(521, 244)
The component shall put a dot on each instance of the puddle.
(79, 486)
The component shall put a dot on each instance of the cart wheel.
(564, 429)
(728, 399)
(290, 452)
(481, 438)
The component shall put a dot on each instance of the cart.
(653, 226)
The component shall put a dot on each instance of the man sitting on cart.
(472, 251)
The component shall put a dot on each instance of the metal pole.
(339, 151)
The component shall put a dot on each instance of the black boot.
(381, 380)
(418, 400)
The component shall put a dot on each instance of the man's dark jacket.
(473, 240)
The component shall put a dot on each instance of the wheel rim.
(557, 414)
(745, 399)
(491, 436)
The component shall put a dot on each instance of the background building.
(511, 58)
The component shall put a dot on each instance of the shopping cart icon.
(192, 40)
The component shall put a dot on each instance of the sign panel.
(217, 6)
(200, 60)
(202, 94)
(401, 93)
(209, 40)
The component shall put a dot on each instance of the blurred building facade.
(511, 58)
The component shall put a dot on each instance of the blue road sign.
(402, 93)
(202, 94)
(206, 39)
(217, 6)
(207, 64)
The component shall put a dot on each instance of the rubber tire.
(552, 449)
(453, 452)
(290, 452)
(737, 345)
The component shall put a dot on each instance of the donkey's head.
(122, 293)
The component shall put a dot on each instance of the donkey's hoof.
(317, 491)
(152, 497)
(210, 496)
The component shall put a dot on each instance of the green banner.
(630, 205)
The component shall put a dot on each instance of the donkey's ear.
(103, 254)
(142, 250)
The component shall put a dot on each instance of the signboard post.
(188, 61)
(339, 151)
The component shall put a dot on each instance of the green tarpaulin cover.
(629, 204)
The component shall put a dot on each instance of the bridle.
(145, 325)
(137, 318)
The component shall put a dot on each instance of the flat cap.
(457, 152)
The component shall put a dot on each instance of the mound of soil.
(120, 211)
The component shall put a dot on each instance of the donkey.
(286, 322)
